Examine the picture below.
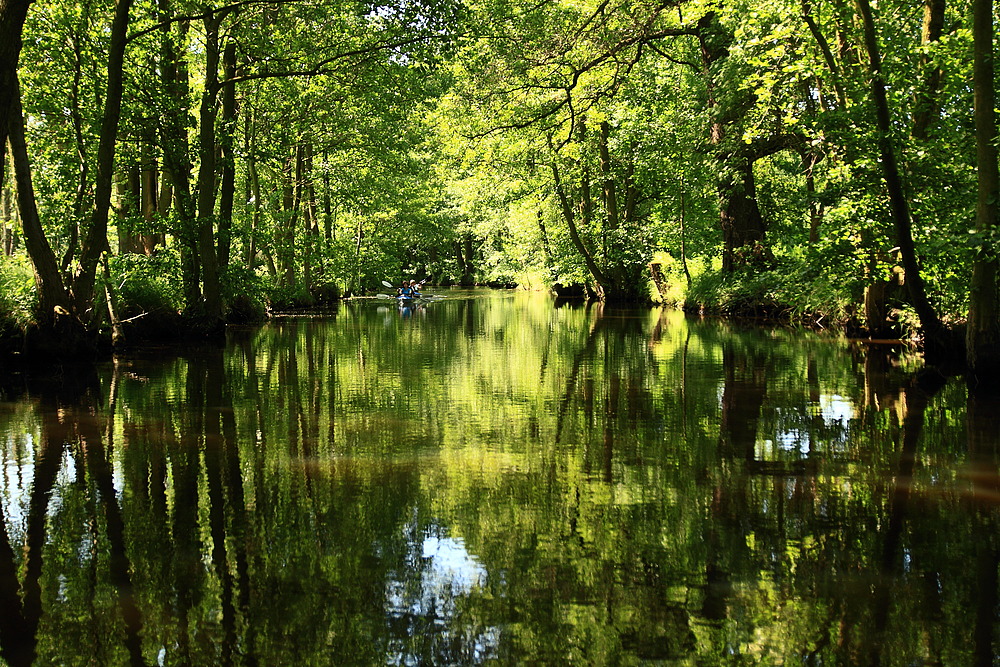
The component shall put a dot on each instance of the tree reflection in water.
(499, 481)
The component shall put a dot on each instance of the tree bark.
(927, 104)
(742, 223)
(12, 16)
(96, 241)
(53, 298)
(60, 331)
(211, 287)
(739, 214)
(682, 222)
(6, 214)
(468, 275)
(290, 205)
(177, 152)
(83, 170)
(253, 185)
(148, 196)
(809, 160)
(609, 187)
(129, 191)
(983, 332)
(574, 233)
(227, 190)
(310, 217)
(933, 330)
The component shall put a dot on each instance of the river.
(496, 478)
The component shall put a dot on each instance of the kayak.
(419, 298)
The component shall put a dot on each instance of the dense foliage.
(787, 157)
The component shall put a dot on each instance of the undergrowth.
(793, 290)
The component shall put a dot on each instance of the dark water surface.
(492, 479)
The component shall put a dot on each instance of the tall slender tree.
(983, 333)
(933, 330)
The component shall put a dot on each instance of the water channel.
(494, 478)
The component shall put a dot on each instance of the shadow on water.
(500, 481)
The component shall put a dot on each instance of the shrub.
(149, 295)
(245, 294)
(794, 290)
(18, 297)
(289, 296)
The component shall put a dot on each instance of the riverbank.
(146, 313)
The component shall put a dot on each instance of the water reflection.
(496, 480)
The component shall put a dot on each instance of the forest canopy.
(173, 164)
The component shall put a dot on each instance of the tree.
(983, 333)
(12, 16)
(53, 301)
(933, 330)
(95, 242)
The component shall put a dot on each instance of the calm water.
(493, 479)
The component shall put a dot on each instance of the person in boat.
(414, 289)
(405, 291)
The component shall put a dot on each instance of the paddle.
(420, 296)
(390, 285)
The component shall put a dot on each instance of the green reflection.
(495, 479)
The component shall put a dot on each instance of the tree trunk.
(983, 332)
(176, 155)
(815, 207)
(933, 330)
(253, 185)
(927, 104)
(83, 170)
(12, 16)
(824, 47)
(227, 191)
(329, 230)
(117, 332)
(574, 233)
(742, 223)
(682, 223)
(128, 189)
(164, 197)
(211, 286)
(740, 218)
(53, 298)
(59, 332)
(609, 190)
(546, 249)
(6, 215)
(96, 241)
(356, 277)
(148, 197)
(309, 216)
(290, 205)
(469, 273)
